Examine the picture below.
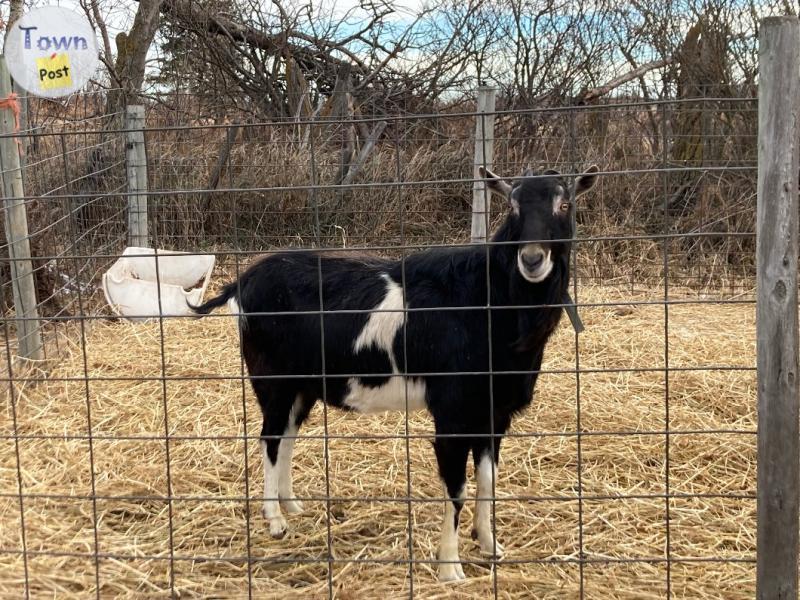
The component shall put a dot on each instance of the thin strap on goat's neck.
(572, 313)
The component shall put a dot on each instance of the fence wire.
(131, 454)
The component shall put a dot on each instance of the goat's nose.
(533, 260)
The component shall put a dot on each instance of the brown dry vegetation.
(433, 159)
(264, 200)
(537, 508)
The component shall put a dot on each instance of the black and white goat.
(377, 352)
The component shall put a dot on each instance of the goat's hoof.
(497, 553)
(277, 527)
(451, 572)
(486, 546)
(292, 507)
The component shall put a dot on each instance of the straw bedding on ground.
(538, 511)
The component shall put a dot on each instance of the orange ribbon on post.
(12, 103)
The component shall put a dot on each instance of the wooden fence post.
(136, 164)
(23, 282)
(484, 156)
(776, 311)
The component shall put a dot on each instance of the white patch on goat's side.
(382, 326)
(541, 273)
(379, 332)
(389, 396)
(450, 568)
(235, 309)
(485, 475)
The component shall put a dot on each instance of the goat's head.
(541, 215)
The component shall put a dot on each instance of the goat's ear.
(586, 181)
(496, 184)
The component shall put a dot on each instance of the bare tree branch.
(602, 90)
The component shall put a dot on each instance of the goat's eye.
(564, 206)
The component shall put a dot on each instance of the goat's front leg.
(486, 480)
(451, 454)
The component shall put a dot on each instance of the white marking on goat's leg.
(285, 487)
(451, 570)
(285, 450)
(487, 470)
(272, 508)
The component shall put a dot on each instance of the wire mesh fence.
(131, 454)
(74, 175)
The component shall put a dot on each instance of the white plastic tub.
(131, 287)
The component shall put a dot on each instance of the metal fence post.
(776, 320)
(484, 156)
(16, 224)
(136, 165)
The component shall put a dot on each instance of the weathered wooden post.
(136, 165)
(23, 283)
(484, 156)
(776, 312)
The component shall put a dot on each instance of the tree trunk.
(132, 48)
(695, 141)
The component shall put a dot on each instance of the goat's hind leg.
(276, 408)
(297, 414)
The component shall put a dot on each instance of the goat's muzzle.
(534, 262)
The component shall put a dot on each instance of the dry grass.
(543, 531)
(270, 169)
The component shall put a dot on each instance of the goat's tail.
(228, 292)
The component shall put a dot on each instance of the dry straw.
(545, 531)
